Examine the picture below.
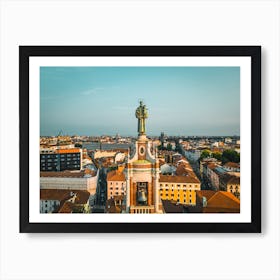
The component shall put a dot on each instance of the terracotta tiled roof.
(178, 179)
(206, 193)
(170, 206)
(63, 195)
(182, 170)
(67, 207)
(115, 175)
(234, 180)
(111, 207)
(82, 197)
(67, 151)
(221, 201)
(55, 194)
(232, 164)
(230, 179)
(67, 174)
(212, 165)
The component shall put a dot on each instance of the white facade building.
(69, 181)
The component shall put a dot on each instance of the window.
(142, 151)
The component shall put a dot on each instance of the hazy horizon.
(181, 101)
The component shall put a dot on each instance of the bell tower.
(142, 171)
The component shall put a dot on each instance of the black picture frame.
(254, 52)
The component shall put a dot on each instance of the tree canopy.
(217, 155)
(205, 154)
(230, 155)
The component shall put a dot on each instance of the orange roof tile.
(56, 194)
(220, 202)
(206, 193)
(67, 174)
(234, 180)
(67, 151)
(212, 165)
(67, 207)
(178, 179)
(232, 164)
(230, 179)
(115, 175)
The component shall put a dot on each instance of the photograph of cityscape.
(140, 140)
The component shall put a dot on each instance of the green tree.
(169, 147)
(217, 155)
(230, 155)
(205, 154)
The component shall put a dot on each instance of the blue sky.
(102, 100)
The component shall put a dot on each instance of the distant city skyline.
(189, 101)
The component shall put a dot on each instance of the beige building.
(116, 183)
(70, 180)
(232, 166)
(231, 184)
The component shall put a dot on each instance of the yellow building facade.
(179, 188)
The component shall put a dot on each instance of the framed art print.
(140, 138)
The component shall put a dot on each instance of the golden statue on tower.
(141, 114)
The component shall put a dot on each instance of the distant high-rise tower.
(162, 138)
